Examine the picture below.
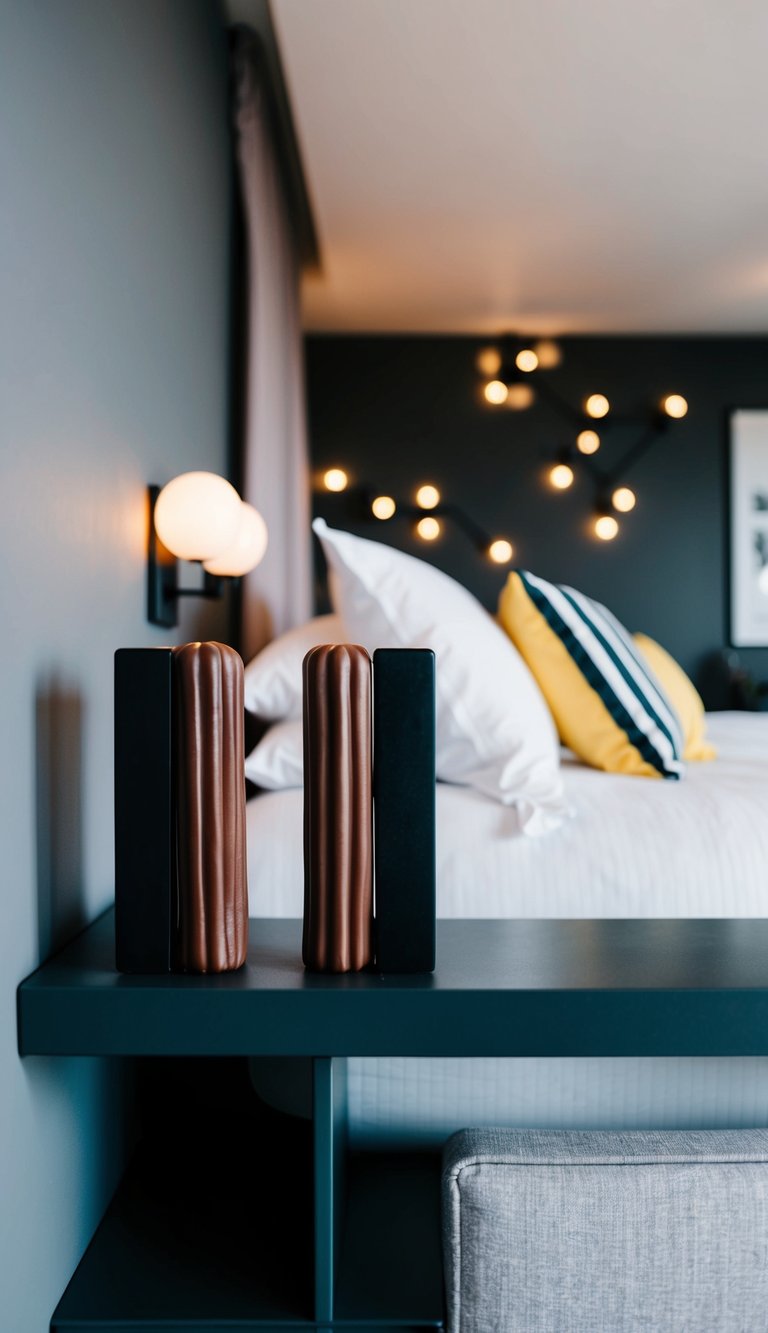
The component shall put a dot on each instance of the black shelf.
(200, 1241)
(519, 988)
(390, 1269)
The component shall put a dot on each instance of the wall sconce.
(198, 517)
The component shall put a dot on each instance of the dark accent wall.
(396, 411)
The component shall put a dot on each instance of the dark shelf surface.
(199, 1241)
(517, 988)
(391, 1266)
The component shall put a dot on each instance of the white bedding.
(634, 848)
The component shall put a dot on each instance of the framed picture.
(749, 528)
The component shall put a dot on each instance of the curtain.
(278, 593)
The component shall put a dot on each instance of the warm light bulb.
(623, 499)
(526, 360)
(489, 361)
(501, 551)
(587, 441)
(428, 529)
(597, 405)
(383, 507)
(561, 476)
(675, 405)
(427, 497)
(606, 527)
(335, 479)
(246, 551)
(197, 515)
(496, 392)
(520, 396)
(548, 352)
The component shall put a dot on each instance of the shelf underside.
(227, 1244)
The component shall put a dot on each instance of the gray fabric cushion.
(561, 1231)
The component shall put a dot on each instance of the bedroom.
(642, 259)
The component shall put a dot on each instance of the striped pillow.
(608, 706)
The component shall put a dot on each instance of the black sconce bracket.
(163, 591)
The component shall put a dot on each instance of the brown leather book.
(338, 826)
(211, 933)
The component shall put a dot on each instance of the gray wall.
(114, 238)
(397, 410)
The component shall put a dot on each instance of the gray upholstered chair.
(566, 1231)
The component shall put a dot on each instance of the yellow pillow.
(683, 696)
(607, 705)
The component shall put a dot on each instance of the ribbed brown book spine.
(212, 891)
(338, 824)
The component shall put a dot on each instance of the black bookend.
(404, 808)
(144, 830)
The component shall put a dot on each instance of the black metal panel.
(404, 808)
(162, 574)
(144, 833)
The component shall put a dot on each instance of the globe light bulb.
(383, 507)
(335, 479)
(675, 405)
(587, 441)
(561, 476)
(548, 352)
(501, 551)
(496, 392)
(526, 360)
(197, 515)
(247, 550)
(597, 405)
(428, 529)
(520, 396)
(427, 497)
(623, 499)
(606, 527)
(489, 361)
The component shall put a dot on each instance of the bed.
(634, 848)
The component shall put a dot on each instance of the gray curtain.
(278, 593)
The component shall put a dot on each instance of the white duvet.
(635, 847)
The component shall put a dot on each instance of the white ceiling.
(547, 165)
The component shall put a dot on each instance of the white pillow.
(494, 730)
(278, 759)
(273, 679)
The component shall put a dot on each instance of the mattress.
(633, 848)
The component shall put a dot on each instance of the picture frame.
(749, 528)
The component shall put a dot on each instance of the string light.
(489, 361)
(428, 529)
(597, 405)
(623, 499)
(501, 551)
(561, 476)
(383, 507)
(606, 527)
(548, 352)
(675, 405)
(587, 441)
(335, 479)
(526, 360)
(519, 396)
(427, 497)
(496, 392)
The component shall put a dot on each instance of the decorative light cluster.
(507, 370)
(427, 512)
